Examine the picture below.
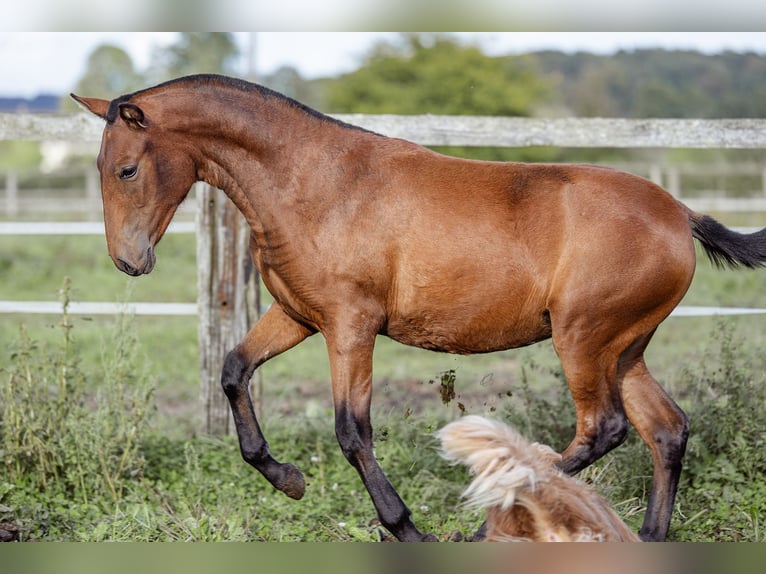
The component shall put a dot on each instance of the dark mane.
(202, 80)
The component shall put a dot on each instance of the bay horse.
(357, 235)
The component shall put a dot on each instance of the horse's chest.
(294, 296)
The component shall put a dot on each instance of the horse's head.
(145, 174)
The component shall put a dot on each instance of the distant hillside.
(658, 83)
(631, 84)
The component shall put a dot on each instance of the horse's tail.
(504, 463)
(726, 247)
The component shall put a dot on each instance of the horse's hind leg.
(609, 388)
(591, 372)
(664, 428)
(274, 333)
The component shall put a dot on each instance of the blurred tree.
(195, 53)
(436, 74)
(109, 73)
(288, 81)
(433, 73)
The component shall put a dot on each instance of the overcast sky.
(52, 62)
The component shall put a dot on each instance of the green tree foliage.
(659, 84)
(436, 74)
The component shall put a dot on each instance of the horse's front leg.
(274, 333)
(350, 352)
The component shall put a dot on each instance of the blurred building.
(40, 104)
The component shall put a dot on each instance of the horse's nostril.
(151, 259)
(127, 268)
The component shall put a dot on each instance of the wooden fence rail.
(225, 280)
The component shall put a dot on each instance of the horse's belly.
(464, 332)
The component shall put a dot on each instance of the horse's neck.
(263, 152)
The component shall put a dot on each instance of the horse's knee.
(351, 444)
(234, 372)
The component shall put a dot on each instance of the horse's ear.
(93, 105)
(132, 115)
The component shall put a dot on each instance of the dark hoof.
(385, 537)
(291, 482)
(480, 535)
(9, 532)
(410, 536)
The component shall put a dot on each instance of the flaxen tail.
(504, 463)
(726, 247)
(525, 495)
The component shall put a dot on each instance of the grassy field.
(100, 435)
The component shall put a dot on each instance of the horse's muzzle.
(138, 268)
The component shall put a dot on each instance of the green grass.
(33, 267)
(84, 480)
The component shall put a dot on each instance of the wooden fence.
(226, 274)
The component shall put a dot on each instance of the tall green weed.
(72, 434)
(723, 486)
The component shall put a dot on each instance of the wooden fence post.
(227, 301)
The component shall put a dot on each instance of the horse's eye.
(128, 172)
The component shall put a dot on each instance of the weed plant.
(723, 487)
(71, 441)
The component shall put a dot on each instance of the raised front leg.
(273, 334)
(350, 352)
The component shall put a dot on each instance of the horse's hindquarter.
(628, 248)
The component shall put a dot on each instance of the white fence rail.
(75, 227)
(190, 309)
